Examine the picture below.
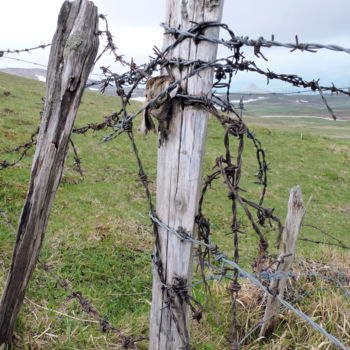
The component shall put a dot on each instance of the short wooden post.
(179, 173)
(74, 48)
(290, 236)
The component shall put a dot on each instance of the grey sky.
(135, 25)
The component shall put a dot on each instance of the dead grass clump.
(319, 290)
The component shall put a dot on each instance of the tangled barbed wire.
(230, 171)
(196, 32)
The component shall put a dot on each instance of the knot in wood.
(212, 4)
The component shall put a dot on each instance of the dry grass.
(318, 297)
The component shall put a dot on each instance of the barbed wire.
(238, 41)
(223, 67)
(331, 274)
(128, 341)
(231, 174)
(25, 61)
(26, 147)
(121, 122)
(219, 256)
(339, 243)
(18, 51)
(104, 82)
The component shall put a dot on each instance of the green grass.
(99, 235)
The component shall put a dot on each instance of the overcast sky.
(135, 26)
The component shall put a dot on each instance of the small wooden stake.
(294, 219)
(74, 48)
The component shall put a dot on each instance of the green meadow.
(99, 238)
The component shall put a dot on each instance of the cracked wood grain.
(179, 173)
(72, 55)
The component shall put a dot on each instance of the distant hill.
(40, 75)
(30, 73)
(253, 89)
(256, 101)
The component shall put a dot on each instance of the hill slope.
(99, 235)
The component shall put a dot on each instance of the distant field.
(99, 235)
(298, 104)
(299, 112)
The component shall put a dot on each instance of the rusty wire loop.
(230, 172)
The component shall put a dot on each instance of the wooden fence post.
(290, 236)
(179, 173)
(73, 51)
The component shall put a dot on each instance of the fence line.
(219, 256)
(121, 122)
(130, 341)
(17, 51)
(238, 41)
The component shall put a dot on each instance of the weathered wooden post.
(74, 48)
(290, 236)
(179, 172)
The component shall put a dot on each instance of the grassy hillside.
(99, 235)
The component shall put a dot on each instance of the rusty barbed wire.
(219, 256)
(18, 51)
(26, 148)
(339, 243)
(238, 41)
(230, 171)
(128, 341)
(223, 67)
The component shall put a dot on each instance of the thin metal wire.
(219, 256)
(237, 41)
